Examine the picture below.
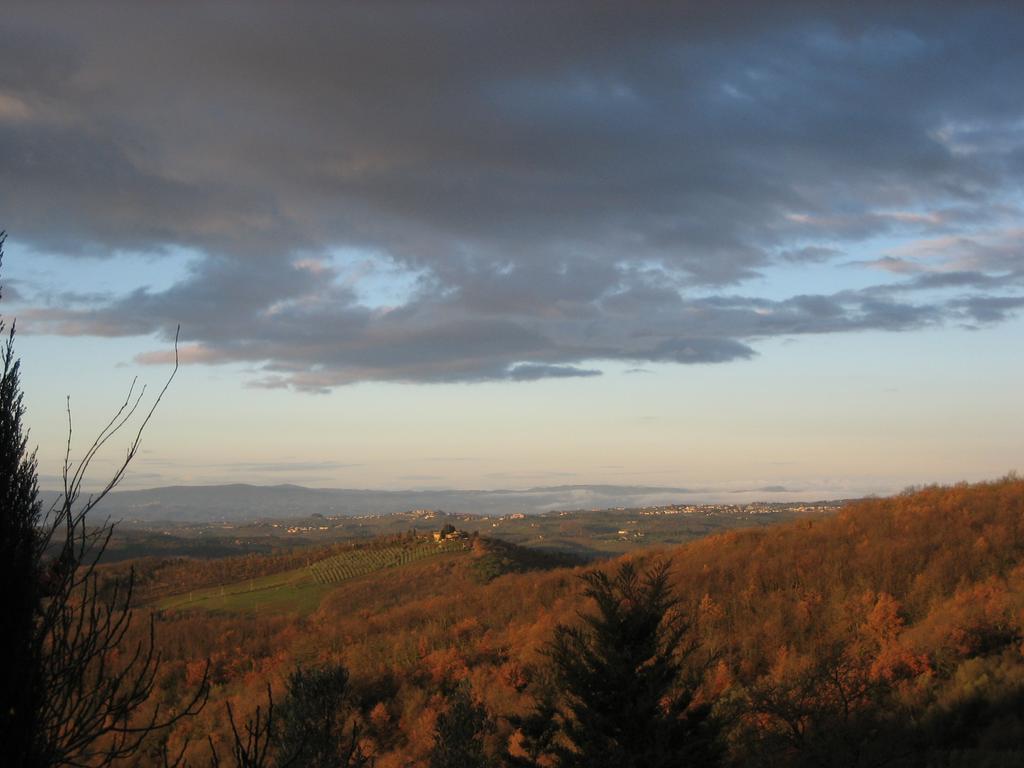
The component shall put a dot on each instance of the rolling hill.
(888, 634)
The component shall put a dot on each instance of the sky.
(731, 246)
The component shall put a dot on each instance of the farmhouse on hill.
(449, 532)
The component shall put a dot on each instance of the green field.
(358, 562)
(301, 590)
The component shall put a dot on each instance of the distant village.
(594, 530)
(319, 523)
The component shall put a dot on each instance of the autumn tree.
(252, 742)
(533, 741)
(626, 702)
(839, 704)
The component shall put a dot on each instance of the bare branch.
(93, 702)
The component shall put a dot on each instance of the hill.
(296, 581)
(238, 502)
(889, 634)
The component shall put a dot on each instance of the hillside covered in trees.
(889, 634)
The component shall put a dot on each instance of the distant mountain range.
(246, 502)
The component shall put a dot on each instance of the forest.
(888, 634)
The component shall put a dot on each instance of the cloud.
(810, 254)
(283, 466)
(13, 109)
(991, 309)
(421, 478)
(889, 264)
(768, 489)
(9, 291)
(1000, 249)
(530, 372)
(549, 190)
(699, 350)
(531, 476)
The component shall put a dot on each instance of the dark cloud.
(956, 280)
(9, 291)
(809, 254)
(528, 372)
(554, 185)
(990, 309)
(682, 350)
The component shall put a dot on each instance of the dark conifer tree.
(459, 734)
(19, 566)
(625, 701)
(316, 721)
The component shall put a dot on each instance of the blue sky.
(709, 247)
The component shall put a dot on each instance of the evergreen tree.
(20, 512)
(459, 734)
(625, 702)
(315, 721)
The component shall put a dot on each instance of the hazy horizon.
(243, 502)
(583, 494)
